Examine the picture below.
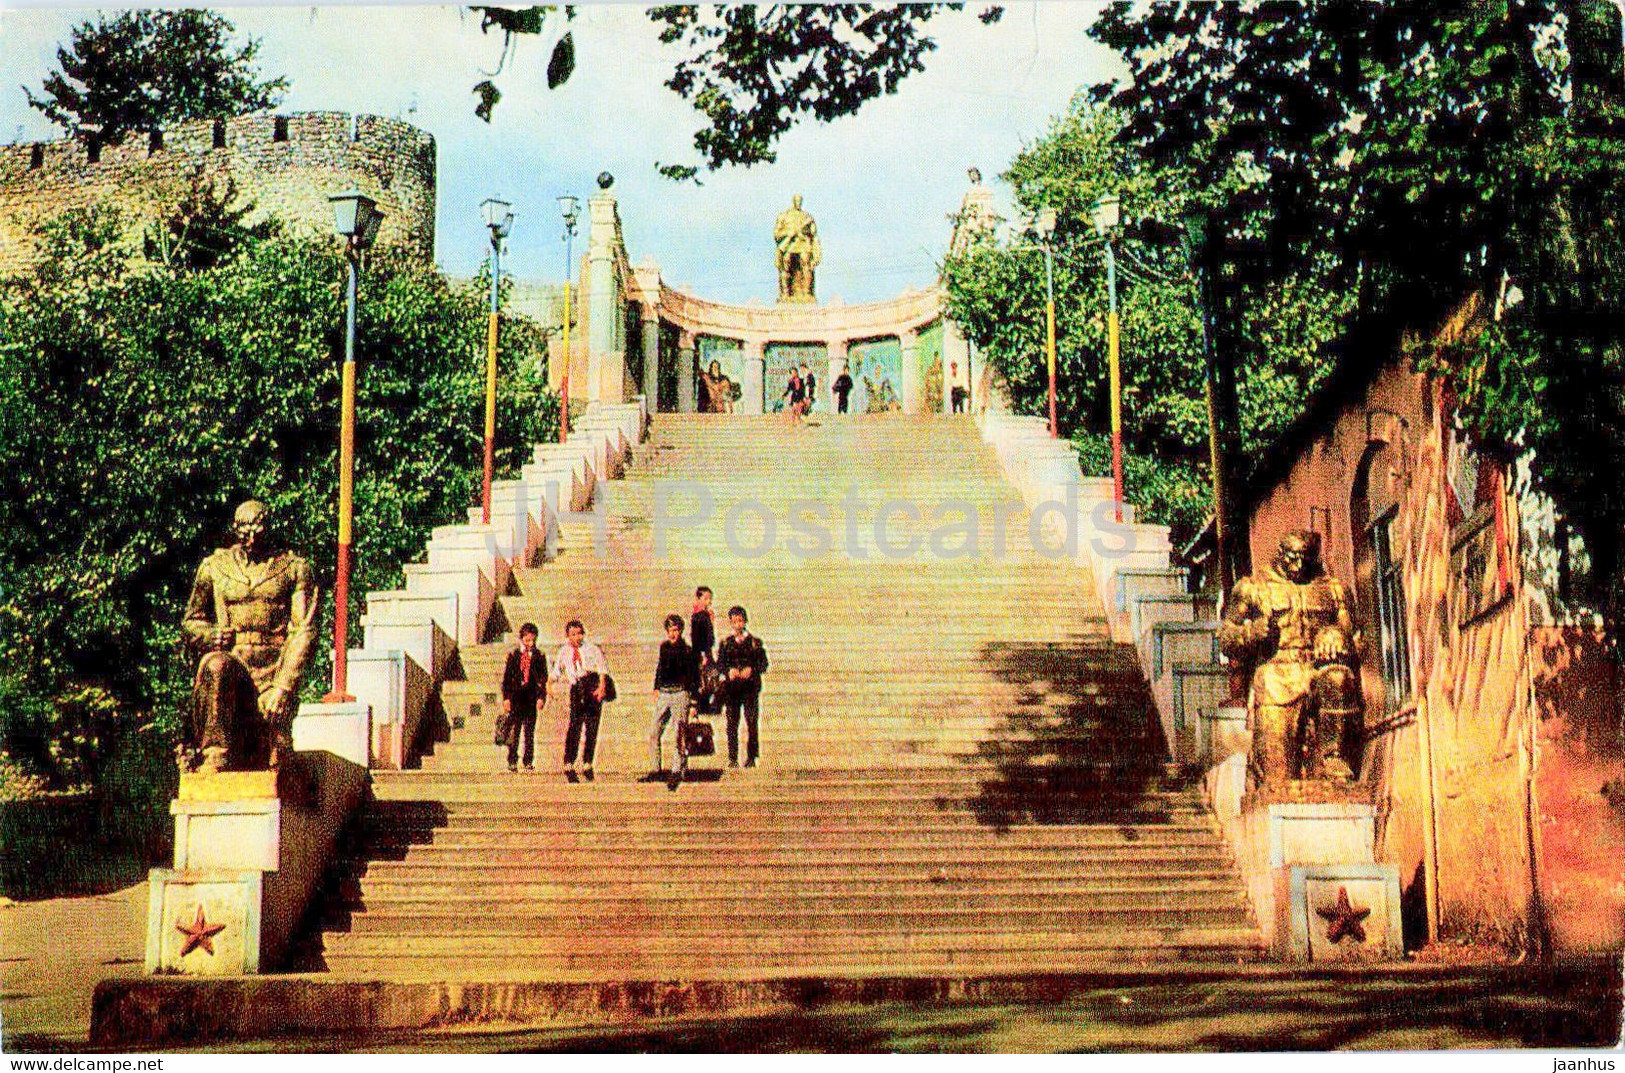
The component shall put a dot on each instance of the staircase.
(961, 772)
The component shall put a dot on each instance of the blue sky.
(880, 183)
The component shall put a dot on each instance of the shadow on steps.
(1084, 746)
(381, 831)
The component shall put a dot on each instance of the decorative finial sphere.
(605, 180)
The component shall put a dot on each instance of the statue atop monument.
(795, 233)
(251, 624)
(1291, 625)
(977, 221)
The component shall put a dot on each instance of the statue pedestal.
(251, 848)
(1311, 870)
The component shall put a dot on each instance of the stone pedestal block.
(421, 624)
(1223, 733)
(1338, 914)
(203, 922)
(473, 590)
(1321, 834)
(1295, 857)
(400, 694)
(251, 849)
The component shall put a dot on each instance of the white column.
(753, 401)
(685, 373)
(651, 358)
(910, 341)
(605, 309)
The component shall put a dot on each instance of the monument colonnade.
(627, 312)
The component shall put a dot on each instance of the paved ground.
(1396, 1011)
(53, 952)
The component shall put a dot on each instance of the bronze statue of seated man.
(1290, 624)
(251, 624)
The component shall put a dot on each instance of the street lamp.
(1043, 225)
(499, 221)
(1107, 214)
(356, 219)
(1198, 239)
(567, 209)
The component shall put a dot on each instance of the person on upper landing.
(842, 389)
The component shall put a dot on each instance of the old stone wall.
(286, 166)
(1488, 777)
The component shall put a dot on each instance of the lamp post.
(567, 209)
(1198, 253)
(1043, 224)
(1107, 215)
(356, 218)
(499, 221)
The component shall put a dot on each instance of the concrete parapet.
(479, 547)
(251, 849)
(470, 585)
(400, 693)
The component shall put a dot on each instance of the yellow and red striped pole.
(341, 588)
(491, 381)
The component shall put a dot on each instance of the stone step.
(378, 893)
(788, 782)
(734, 939)
(1212, 951)
(639, 858)
(474, 843)
(1162, 815)
(528, 924)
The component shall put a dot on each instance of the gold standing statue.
(1291, 625)
(251, 623)
(796, 235)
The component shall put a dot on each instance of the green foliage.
(997, 294)
(140, 401)
(1171, 492)
(147, 70)
(753, 71)
(1415, 156)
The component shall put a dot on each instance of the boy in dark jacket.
(674, 685)
(524, 686)
(742, 660)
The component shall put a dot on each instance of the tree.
(164, 393)
(752, 71)
(997, 294)
(1425, 154)
(147, 70)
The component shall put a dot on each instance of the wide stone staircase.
(961, 772)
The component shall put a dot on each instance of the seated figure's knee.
(214, 668)
(1336, 686)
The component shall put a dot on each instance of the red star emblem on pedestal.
(199, 933)
(1343, 919)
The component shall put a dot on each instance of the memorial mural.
(877, 376)
(721, 371)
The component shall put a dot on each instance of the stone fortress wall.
(286, 166)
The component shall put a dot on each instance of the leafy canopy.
(752, 71)
(1425, 155)
(147, 70)
(140, 400)
(996, 292)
